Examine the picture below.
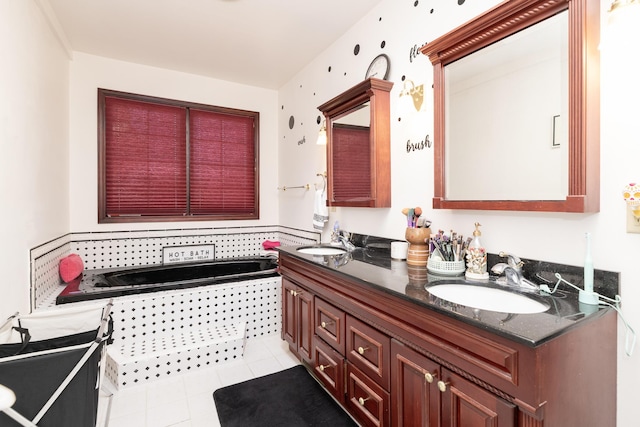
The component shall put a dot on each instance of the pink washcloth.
(71, 267)
(268, 244)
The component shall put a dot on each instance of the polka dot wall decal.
(460, 2)
(356, 49)
(383, 44)
(318, 119)
(329, 69)
(415, 3)
(292, 121)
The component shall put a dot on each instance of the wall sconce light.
(631, 194)
(322, 134)
(416, 92)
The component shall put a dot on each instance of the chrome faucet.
(342, 237)
(513, 276)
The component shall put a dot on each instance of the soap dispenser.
(476, 258)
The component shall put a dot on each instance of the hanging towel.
(320, 210)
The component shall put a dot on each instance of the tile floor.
(187, 400)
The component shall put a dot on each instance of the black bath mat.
(289, 398)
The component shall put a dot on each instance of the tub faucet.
(513, 276)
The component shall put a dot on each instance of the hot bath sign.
(177, 254)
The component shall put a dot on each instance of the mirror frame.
(505, 19)
(375, 91)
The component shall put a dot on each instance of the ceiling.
(255, 42)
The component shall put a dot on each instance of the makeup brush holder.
(418, 251)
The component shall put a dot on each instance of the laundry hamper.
(51, 361)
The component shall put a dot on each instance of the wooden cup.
(418, 252)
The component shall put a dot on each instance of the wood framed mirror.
(358, 146)
(573, 130)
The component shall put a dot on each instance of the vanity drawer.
(329, 368)
(366, 400)
(369, 350)
(329, 324)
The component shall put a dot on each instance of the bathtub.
(107, 284)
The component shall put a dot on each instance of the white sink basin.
(322, 250)
(485, 298)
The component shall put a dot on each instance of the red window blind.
(169, 160)
(145, 152)
(222, 163)
(351, 163)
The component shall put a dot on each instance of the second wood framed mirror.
(558, 106)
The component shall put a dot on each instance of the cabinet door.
(289, 318)
(304, 304)
(297, 319)
(465, 404)
(414, 390)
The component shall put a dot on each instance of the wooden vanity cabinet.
(297, 319)
(404, 364)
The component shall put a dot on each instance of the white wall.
(34, 194)
(546, 236)
(88, 73)
(38, 156)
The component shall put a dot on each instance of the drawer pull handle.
(428, 376)
(296, 293)
(323, 367)
(361, 350)
(324, 324)
(442, 386)
(361, 400)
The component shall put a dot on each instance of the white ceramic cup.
(399, 250)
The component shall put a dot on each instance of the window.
(165, 160)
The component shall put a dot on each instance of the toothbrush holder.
(418, 251)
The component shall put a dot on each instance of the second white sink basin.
(486, 298)
(322, 250)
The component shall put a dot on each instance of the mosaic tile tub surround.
(170, 332)
(167, 333)
(107, 250)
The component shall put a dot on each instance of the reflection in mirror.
(351, 154)
(523, 134)
(506, 110)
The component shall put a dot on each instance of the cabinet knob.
(296, 293)
(324, 324)
(322, 367)
(361, 350)
(442, 386)
(428, 376)
(361, 400)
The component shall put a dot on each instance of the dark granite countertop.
(374, 267)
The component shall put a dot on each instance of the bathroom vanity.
(394, 355)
